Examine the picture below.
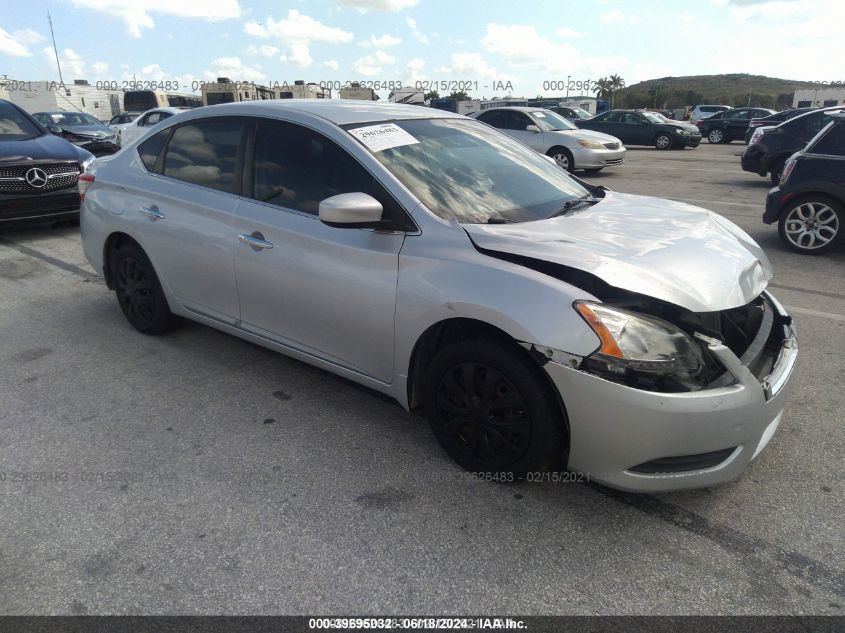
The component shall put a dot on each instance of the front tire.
(716, 136)
(492, 409)
(663, 141)
(139, 292)
(812, 225)
(563, 157)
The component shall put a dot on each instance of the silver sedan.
(540, 322)
(549, 133)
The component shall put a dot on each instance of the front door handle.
(153, 212)
(255, 240)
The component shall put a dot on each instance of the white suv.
(704, 111)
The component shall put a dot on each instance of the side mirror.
(351, 211)
(532, 128)
(54, 129)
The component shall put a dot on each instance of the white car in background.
(144, 122)
(549, 133)
(704, 111)
(120, 121)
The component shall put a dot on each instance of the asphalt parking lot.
(197, 473)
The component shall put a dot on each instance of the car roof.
(337, 111)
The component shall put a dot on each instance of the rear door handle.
(153, 212)
(255, 240)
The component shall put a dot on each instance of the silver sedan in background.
(551, 134)
(541, 323)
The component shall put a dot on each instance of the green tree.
(432, 94)
(459, 95)
(616, 84)
(602, 88)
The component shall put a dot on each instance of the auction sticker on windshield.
(381, 137)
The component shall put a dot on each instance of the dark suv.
(809, 202)
(731, 125)
(637, 127)
(773, 119)
(38, 169)
(770, 150)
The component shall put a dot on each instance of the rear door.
(737, 122)
(325, 291)
(185, 211)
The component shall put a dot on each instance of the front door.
(329, 292)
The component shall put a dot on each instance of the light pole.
(567, 85)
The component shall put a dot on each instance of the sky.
(499, 47)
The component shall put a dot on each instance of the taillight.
(787, 169)
(85, 181)
(755, 138)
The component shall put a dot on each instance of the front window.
(72, 119)
(549, 121)
(14, 124)
(464, 171)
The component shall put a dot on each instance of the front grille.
(612, 145)
(39, 206)
(59, 176)
(683, 463)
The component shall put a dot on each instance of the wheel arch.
(447, 331)
(115, 240)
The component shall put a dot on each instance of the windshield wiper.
(571, 204)
(492, 220)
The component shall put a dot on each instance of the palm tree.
(616, 83)
(602, 88)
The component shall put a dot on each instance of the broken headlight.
(636, 346)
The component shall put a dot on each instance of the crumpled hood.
(91, 131)
(668, 250)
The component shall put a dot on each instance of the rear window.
(833, 141)
(205, 153)
(151, 148)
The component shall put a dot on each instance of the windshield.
(466, 171)
(581, 113)
(548, 121)
(14, 124)
(654, 117)
(73, 118)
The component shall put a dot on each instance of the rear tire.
(812, 224)
(716, 136)
(139, 292)
(563, 157)
(493, 410)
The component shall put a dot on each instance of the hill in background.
(733, 90)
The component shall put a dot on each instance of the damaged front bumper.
(647, 441)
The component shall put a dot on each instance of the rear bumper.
(752, 161)
(54, 205)
(774, 202)
(617, 431)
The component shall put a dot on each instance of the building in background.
(357, 91)
(821, 97)
(224, 90)
(301, 90)
(43, 96)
